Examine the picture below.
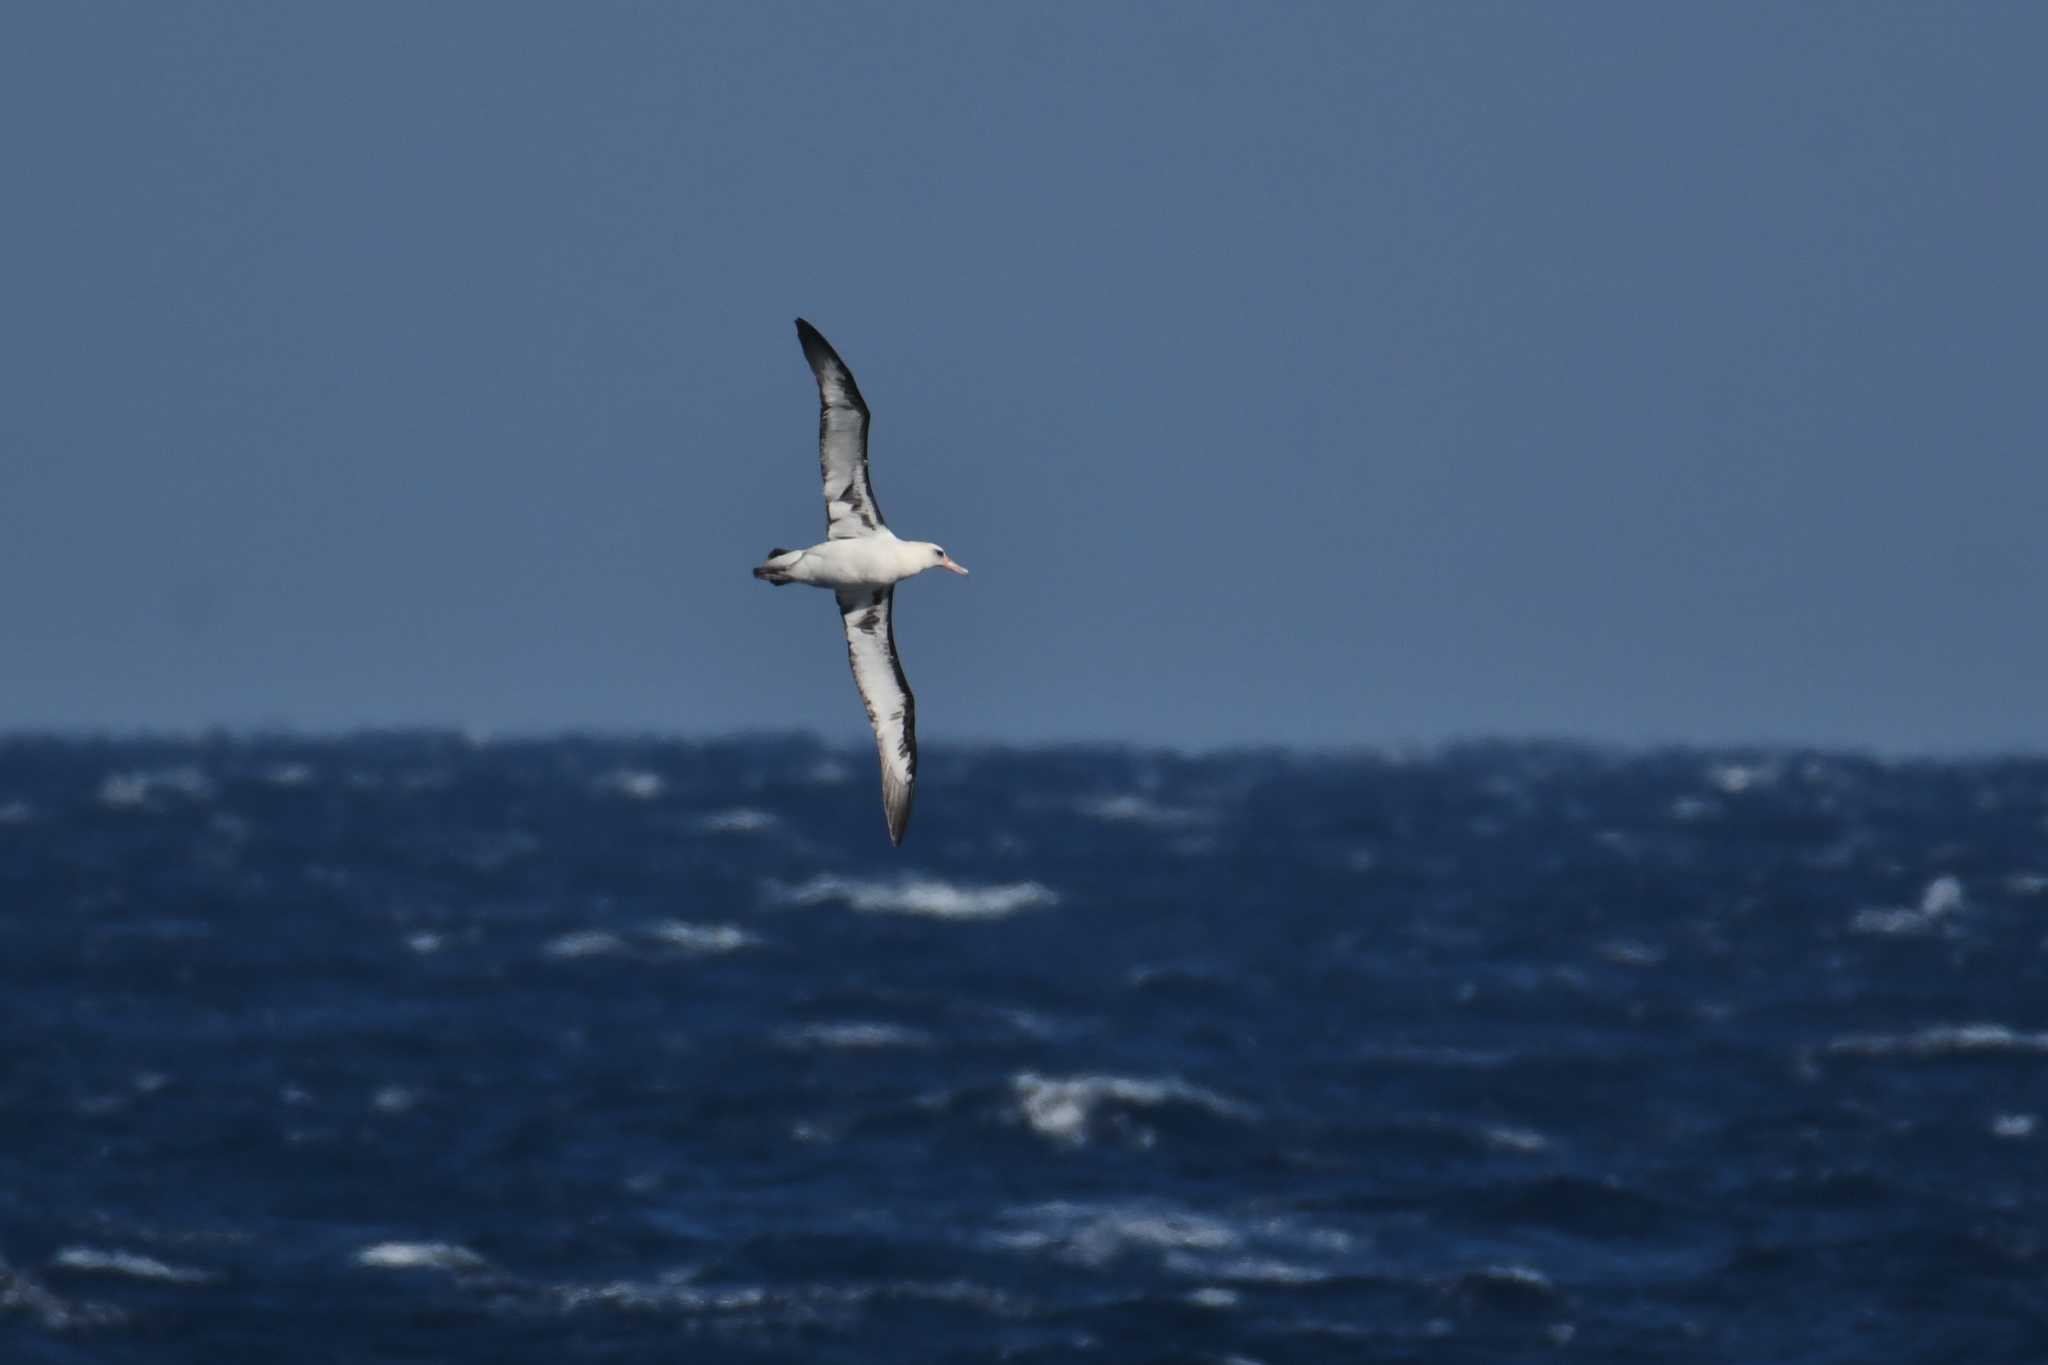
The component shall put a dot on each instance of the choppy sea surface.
(418, 1048)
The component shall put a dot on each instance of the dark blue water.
(417, 1049)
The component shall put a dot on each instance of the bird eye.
(938, 552)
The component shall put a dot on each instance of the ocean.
(418, 1047)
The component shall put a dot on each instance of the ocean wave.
(1629, 952)
(855, 1036)
(1733, 779)
(673, 1293)
(143, 789)
(1506, 1287)
(419, 1256)
(926, 896)
(1506, 1138)
(1071, 1110)
(696, 939)
(738, 820)
(130, 1265)
(634, 784)
(289, 774)
(1269, 1270)
(783, 1305)
(1940, 900)
(24, 1295)
(1133, 809)
(702, 938)
(1434, 1058)
(584, 943)
(1202, 1246)
(1943, 1040)
(828, 772)
(394, 1099)
(1094, 1234)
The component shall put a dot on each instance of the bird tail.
(772, 572)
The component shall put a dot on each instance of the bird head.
(932, 556)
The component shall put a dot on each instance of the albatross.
(861, 560)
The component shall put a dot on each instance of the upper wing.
(850, 508)
(869, 616)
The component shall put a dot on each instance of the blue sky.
(1315, 374)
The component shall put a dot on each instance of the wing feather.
(850, 507)
(869, 617)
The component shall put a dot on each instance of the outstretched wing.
(871, 645)
(850, 509)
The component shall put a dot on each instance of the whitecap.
(585, 943)
(21, 1293)
(1069, 1110)
(1736, 778)
(703, 938)
(288, 774)
(16, 812)
(91, 1260)
(394, 1099)
(130, 790)
(738, 820)
(1094, 1234)
(1943, 1040)
(1939, 899)
(424, 942)
(925, 896)
(1528, 1277)
(1133, 809)
(1627, 952)
(1211, 1296)
(855, 1036)
(1246, 1269)
(677, 1292)
(634, 784)
(1890, 923)
(1199, 1246)
(672, 1292)
(1507, 1285)
(1511, 1139)
(1942, 896)
(2014, 1126)
(418, 1256)
(1189, 974)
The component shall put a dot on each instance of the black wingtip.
(814, 343)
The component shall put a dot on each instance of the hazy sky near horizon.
(1320, 374)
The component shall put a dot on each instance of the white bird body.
(879, 560)
(862, 561)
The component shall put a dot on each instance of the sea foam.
(1071, 1110)
(926, 896)
(1944, 1040)
(418, 1256)
(128, 1264)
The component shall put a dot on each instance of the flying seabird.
(862, 561)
